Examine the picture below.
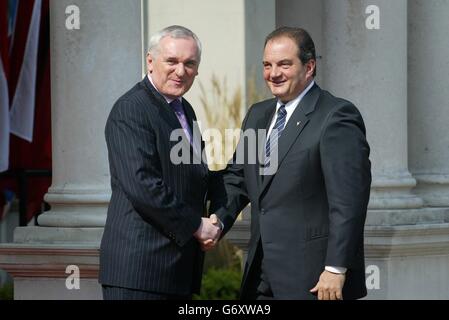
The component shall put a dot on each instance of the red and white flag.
(23, 102)
(25, 52)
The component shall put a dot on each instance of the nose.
(275, 72)
(180, 70)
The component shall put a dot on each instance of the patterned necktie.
(275, 134)
(179, 111)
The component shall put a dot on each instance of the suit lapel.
(263, 124)
(296, 124)
(168, 114)
(165, 111)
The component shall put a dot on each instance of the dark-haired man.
(307, 215)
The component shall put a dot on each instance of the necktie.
(179, 111)
(275, 134)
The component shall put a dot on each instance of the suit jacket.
(311, 212)
(156, 206)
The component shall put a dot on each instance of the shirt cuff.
(339, 270)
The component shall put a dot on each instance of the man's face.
(175, 66)
(284, 73)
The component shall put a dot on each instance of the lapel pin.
(298, 123)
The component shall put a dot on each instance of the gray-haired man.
(151, 247)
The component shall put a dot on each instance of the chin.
(177, 93)
(277, 93)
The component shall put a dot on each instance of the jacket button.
(263, 212)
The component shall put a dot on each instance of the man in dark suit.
(150, 247)
(308, 184)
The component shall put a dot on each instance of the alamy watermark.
(73, 19)
(372, 22)
(72, 282)
(251, 148)
(372, 277)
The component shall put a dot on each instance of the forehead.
(281, 48)
(182, 48)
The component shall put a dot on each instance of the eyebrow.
(285, 61)
(176, 59)
(279, 62)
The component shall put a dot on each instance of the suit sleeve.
(230, 195)
(132, 152)
(347, 174)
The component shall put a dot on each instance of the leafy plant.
(220, 284)
(223, 273)
(7, 292)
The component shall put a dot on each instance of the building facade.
(390, 58)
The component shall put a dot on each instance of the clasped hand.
(209, 232)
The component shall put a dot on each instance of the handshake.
(209, 232)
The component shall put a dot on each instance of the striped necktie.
(272, 141)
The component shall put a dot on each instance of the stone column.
(369, 67)
(91, 67)
(429, 99)
(303, 14)
(403, 240)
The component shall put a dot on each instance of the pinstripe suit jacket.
(156, 206)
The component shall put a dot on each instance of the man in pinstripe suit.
(151, 247)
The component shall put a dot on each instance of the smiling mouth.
(178, 82)
(277, 83)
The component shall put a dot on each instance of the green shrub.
(7, 292)
(220, 284)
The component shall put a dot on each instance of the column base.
(407, 254)
(76, 208)
(396, 218)
(433, 189)
(394, 192)
(54, 236)
(41, 271)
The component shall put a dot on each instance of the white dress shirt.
(290, 107)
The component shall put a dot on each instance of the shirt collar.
(293, 103)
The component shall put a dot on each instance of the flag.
(23, 102)
(29, 39)
(4, 96)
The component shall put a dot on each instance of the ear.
(150, 61)
(310, 67)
